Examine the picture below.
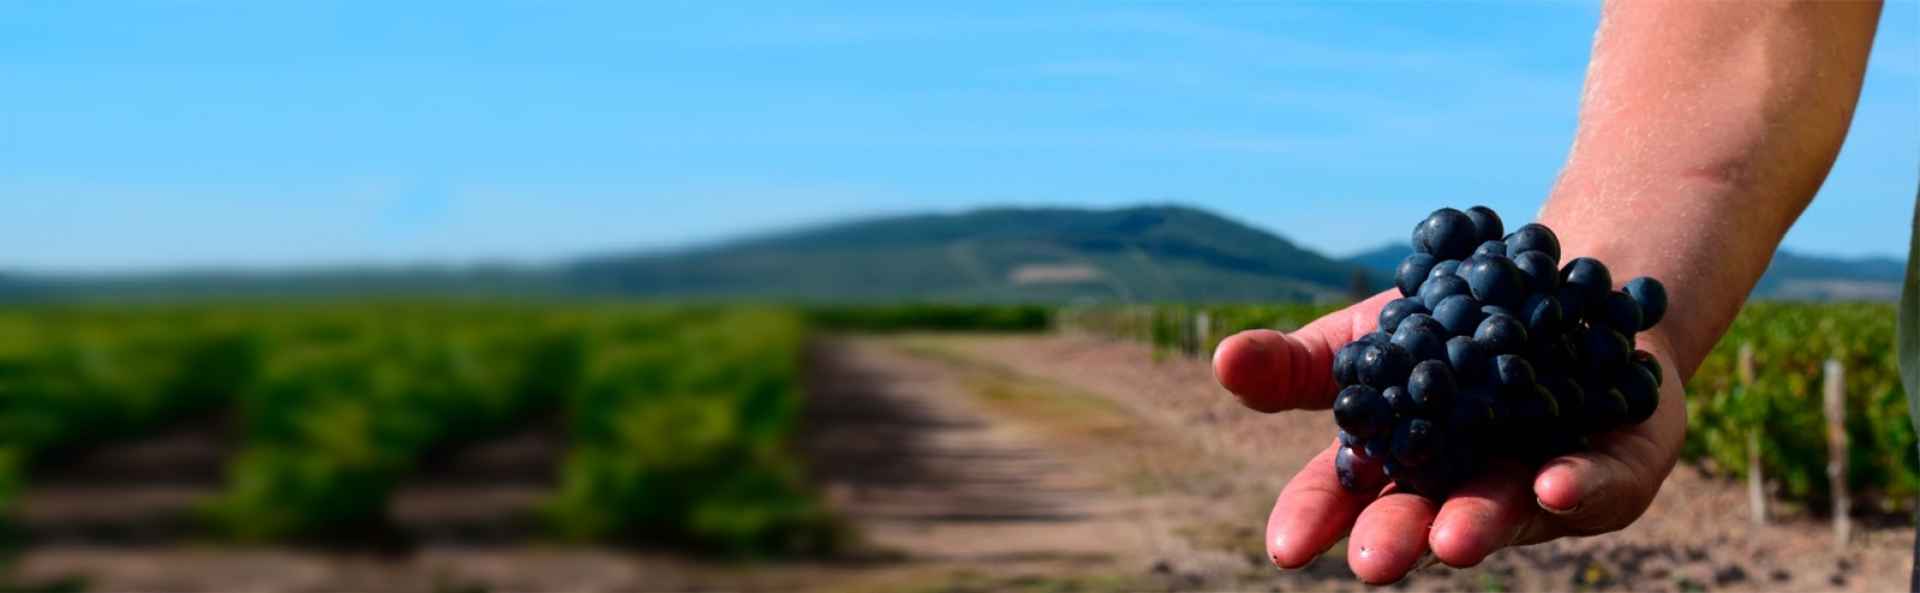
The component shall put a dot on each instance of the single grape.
(1533, 236)
(1431, 386)
(1647, 361)
(1641, 392)
(1459, 314)
(1448, 233)
(1421, 341)
(1589, 277)
(1412, 271)
(1486, 223)
(1438, 289)
(1467, 358)
(1491, 247)
(1512, 370)
(1422, 321)
(1496, 281)
(1501, 334)
(1443, 268)
(1541, 315)
(1381, 365)
(1542, 273)
(1616, 311)
(1397, 310)
(1344, 363)
(1652, 297)
(1362, 411)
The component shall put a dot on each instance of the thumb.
(1270, 371)
(1598, 491)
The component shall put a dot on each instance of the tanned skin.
(1705, 129)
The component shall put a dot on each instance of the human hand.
(1596, 491)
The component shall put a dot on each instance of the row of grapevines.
(349, 399)
(680, 433)
(1791, 343)
(679, 418)
(75, 378)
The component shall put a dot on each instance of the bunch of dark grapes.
(1495, 350)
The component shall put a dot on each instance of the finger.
(1270, 371)
(1485, 514)
(1607, 487)
(1389, 537)
(1604, 489)
(1311, 514)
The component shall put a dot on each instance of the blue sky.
(181, 134)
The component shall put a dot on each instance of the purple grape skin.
(1652, 297)
(1459, 315)
(1358, 472)
(1447, 234)
(1616, 311)
(1501, 334)
(1397, 310)
(1344, 362)
(1491, 247)
(1486, 223)
(1381, 365)
(1362, 412)
(1467, 358)
(1640, 391)
(1431, 386)
(1533, 236)
(1412, 272)
(1543, 274)
(1646, 360)
(1589, 277)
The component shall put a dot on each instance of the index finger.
(1270, 371)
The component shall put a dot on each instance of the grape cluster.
(1494, 350)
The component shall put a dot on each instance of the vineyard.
(676, 417)
(678, 421)
(1781, 404)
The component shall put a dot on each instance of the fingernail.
(1548, 508)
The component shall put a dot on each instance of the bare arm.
(1705, 129)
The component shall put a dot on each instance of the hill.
(1791, 276)
(1160, 253)
(1047, 255)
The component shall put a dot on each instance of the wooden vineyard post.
(1756, 477)
(1834, 394)
(1202, 332)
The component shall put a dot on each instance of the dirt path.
(1695, 536)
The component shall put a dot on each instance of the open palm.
(1595, 491)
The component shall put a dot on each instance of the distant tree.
(1359, 286)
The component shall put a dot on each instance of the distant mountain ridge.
(1150, 253)
(1791, 275)
(1044, 255)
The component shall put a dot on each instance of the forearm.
(1705, 129)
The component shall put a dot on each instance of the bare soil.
(962, 463)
